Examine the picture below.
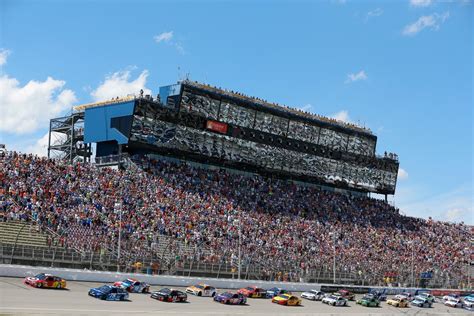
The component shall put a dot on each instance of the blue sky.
(402, 68)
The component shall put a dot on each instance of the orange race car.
(253, 292)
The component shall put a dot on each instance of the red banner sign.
(217, 126)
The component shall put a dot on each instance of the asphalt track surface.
(17, 298)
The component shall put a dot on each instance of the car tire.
(199, 294)
(58, 286)
(213, 294)
(334, 304)
(39, 285)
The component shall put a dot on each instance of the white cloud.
(28, 108)
(342, 116)
(361, 75)
(402, 174)
(432, 21)
(373, 13)
(305, 107)
(3, 56)
(455, 205)
(420, 3)
(163, 37)
(454, 214)
(167, 37)
(40, 147)
(119, 85)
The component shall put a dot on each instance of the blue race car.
(109, 293)
(230, 298)
(381, 296)
(275, 291)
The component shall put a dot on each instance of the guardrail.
(110, 277)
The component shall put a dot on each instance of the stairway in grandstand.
(23, 233)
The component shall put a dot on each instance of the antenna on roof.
(179, 74)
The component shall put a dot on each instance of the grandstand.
(211, 182)
(214, 126)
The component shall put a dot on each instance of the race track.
(17, 298)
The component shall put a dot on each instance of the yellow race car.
(287, 299)
(398, 302)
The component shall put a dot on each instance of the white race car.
(468, 303)
(335, 300)
(427, 296)
(408, 296)
(447, 297)
(202, 290)
(453, 302)
(313, 295)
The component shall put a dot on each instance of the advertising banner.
(217, 126)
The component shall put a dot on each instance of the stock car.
(346, 294)
(369, 301)
(334, 300)
(133, 286)
(406, 295)
(169, 295)
(427, 296)
(381, 296)
(468, 303)
(230, 298)
(201, 290)
(313, 295)
(109, 293)
(287, 299)
(398, 301)
(275, 291)
(421, 302)
(252, 292)
(453, 302)
(44, 280)
(452, 295)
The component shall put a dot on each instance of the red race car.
(346, 294)
(253, 292)
(46, 281)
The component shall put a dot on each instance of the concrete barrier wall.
(110, 277)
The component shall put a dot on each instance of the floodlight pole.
(412, 243)
(334, 257)
(120, 235)
(240, 251)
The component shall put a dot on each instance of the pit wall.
(176, 281)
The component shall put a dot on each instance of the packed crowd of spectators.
(284, 226)
(279, 107)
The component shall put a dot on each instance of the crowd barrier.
(447, 292)
(353, 289)
(110, 277)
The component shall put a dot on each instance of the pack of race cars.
(120, 290)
